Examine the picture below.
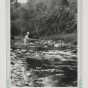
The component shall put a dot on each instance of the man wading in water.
(26, 38)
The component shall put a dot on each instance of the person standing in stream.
(26, 38)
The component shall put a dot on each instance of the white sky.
(22, 1)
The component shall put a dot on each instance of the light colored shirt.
(26, 39)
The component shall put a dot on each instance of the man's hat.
(27, 32)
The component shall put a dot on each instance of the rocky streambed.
(47, 67)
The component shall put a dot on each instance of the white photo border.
(5, 44)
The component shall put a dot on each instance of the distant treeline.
(43, 18)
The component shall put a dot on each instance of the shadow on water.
(56, 73)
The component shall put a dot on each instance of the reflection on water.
(43, 68)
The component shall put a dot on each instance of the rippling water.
(43, 68)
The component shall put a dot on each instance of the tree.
(43, 20)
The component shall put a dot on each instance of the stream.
(43, 65)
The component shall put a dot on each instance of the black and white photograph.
(44, 43)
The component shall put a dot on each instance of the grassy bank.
(68, 38)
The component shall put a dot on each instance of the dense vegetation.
(43, 17)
